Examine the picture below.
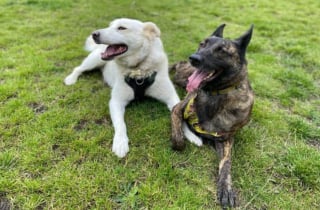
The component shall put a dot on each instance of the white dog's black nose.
(96, 36)
(195, 60)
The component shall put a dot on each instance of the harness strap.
(224, 91)
(139, 85)
(192, 119)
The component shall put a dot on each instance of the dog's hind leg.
(226, 195)
(92, 61)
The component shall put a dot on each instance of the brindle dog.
(218, 103)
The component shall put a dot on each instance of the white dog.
(134, 64)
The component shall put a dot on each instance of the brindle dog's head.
(220, 62)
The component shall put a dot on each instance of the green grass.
(55, 141)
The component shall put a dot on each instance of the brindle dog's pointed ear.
(243, 42)
(219, 31)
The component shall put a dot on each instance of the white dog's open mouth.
(113, 51)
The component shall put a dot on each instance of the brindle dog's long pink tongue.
(195, 80)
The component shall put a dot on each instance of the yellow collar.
(224, 91)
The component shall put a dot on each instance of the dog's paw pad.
(70, 80)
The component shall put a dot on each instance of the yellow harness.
(191, 117)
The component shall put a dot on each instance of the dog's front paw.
(227, 197)
(177, 139)
(191, 136)
(178, 143)
(70, 79)
(120, 146)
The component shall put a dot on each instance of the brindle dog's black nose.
(96, 36)
(195, 60)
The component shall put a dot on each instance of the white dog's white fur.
(144, 55)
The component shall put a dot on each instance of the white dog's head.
(126, 37)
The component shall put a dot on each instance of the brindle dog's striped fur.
(224, 112)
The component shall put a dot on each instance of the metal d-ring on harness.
(139, 81)
(139, 85)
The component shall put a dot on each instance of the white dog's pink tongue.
(113, 50)
(194, 80)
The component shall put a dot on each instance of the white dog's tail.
(90, 45)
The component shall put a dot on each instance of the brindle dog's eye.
(120, 28)
(204, 43)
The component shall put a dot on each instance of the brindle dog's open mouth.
(113, 50)
(199, 77)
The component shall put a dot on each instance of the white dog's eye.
(120, 28)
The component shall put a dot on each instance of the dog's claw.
(227, 198)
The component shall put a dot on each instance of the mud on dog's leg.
(177, 138)
(226, 195)
(92, 61)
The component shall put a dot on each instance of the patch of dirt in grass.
(11, 96)
(95, 89)
(91, 204)
(37, 108)
(80, 161)
(41, 206)
(102, 121)
(60, 152)
(4, 203)
(314, 143)
(55, 147)
(81, 125)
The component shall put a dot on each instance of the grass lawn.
(55, 140)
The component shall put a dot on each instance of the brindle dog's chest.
(221, 114)
(208, 107)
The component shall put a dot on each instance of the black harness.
(139, 86)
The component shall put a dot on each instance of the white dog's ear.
(151, 30)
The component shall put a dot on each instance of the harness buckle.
(139, 81)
